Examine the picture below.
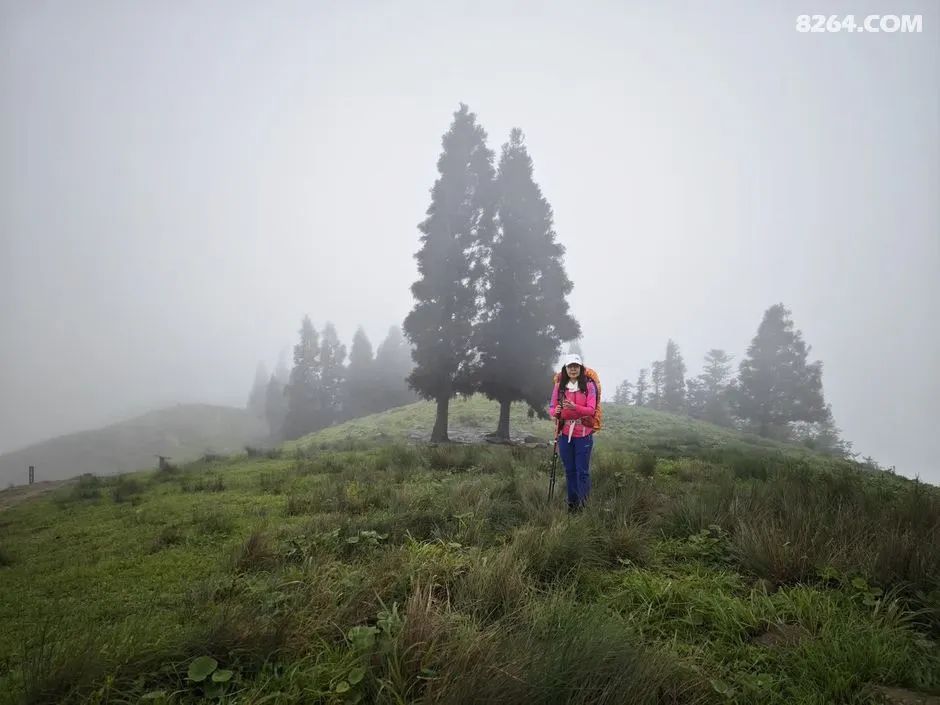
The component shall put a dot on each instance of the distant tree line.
(777, 392)
(323, 388)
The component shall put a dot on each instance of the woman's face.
(574, 369)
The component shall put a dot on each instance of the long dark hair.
(582, 380)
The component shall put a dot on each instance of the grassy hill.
(625, 428)
(183, 432)
(356, 566)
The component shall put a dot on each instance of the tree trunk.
(439, 434)
(502, 429)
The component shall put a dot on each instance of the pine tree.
(332, 372)
(360, 388)
(673, 398)
(275, 408)
(776, 385)
(525, 316)
(256, 399)
(695, 398)
(642, 386)
(715, 380)
(656, 378)
(304, 410)
(393, 364)
(624, 393)
(456, 236)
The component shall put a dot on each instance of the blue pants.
(576, 457)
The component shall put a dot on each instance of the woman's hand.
(565, 404)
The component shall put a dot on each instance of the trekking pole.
(551, 482)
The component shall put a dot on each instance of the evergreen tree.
(673, 398)
(275, 398)
(624, 393)
(525, 316)
(695, 397)
(359, 398)
(642, 386)
(656, 378)
(715, 381)
(275, 408)
(392, 366)
(456, 237)
(304, 410)
(259, 390)
(776, 385)
(332, 373)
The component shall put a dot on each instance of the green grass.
(708, 568)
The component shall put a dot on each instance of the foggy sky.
(181, 182)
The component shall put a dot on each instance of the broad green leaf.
(222, 676)
(201, 667)
(342, 687)
(356, 675)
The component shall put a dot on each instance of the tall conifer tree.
(777, 386)
(456, 237)
(304, 411)
(525, 316)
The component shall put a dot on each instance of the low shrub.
(126, 488)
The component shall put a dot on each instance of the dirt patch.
(16, 495)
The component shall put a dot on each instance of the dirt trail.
(14, 495)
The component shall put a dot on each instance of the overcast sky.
(181, 182)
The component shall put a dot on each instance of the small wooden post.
(32, 474)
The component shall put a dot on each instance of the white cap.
(571, 358)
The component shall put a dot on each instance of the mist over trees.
(490, 310)
(673, 373)
(777, 386)
(360, 378)
(393, 364)
(708, 395)
(491, 315)
(456, 237)
(640, 397)
(256, 398)
(624, 393)
(303, 399)
(777, 392)
(525, 315)
(321, 390)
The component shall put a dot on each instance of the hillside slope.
(709, 568)
(183, 432)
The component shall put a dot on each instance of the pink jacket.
(584, 406)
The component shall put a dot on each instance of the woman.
(578, 400)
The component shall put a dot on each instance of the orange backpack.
(597, 420)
